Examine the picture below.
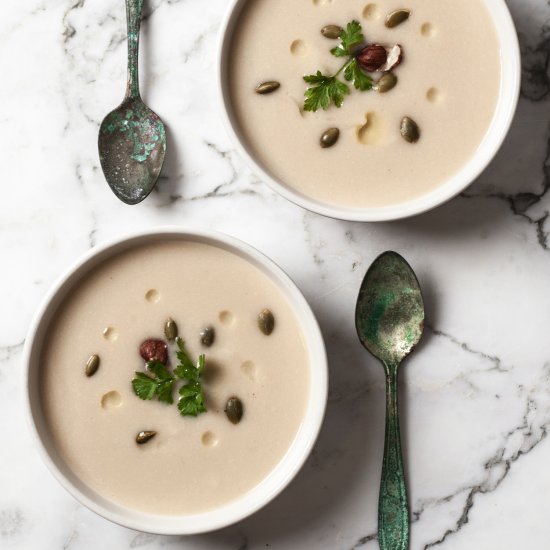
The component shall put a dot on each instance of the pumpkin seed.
(386, 83)
(144, 437)
(266, 322)
(92, 365)
(267, 87)
(208, 335)
(234, 410)
(396, 18)
(170, 329)
(332, 32)
(410, 130)
(329, 137)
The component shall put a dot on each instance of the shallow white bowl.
(270, 487)
(488, 148)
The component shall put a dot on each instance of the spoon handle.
(393, 509)
(133, 18)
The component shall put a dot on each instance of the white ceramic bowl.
(276, 481)
(504, 114)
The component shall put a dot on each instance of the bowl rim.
(508, 97)
(234, 511)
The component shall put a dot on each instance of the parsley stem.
(344, 66)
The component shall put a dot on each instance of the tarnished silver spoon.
(132, 138)
(390, 320)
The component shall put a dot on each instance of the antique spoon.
(390, 319)
(132, 139)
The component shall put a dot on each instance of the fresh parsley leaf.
(161, 384)
(353, 73)
(318, 78)
(325, 91)
(158, 369)
(339, 51)
(190, 390)
(190, 407)
(185, 369)
(144, 386)
(351, 36)
(164, 391)
(191, 402)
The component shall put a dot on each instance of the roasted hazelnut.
(154, 350)
(372, 57)
(395, 56)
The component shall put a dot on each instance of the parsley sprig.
(160, 382)
(324, 90)
(191, 401)
(350, 37)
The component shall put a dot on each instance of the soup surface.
(192, 464)
(448, 83)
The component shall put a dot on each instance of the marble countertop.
(475, 397)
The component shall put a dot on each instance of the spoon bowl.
(390, 310)
(132, 145)
(389, 319)
(132, 138)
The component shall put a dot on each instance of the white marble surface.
(476, 395)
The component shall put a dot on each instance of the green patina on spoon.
(132, 139)
(390, 319)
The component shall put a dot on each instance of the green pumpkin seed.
(234, 410)
(329, 137)
(267, 87)
(144, 437)
(92, 365)
(332, 32)
(410, 130)
(396, 18)
(386, 83)
(170, 329)
(266, 322)
(208, 335)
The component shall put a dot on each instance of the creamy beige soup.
(448, 83)
(192, 464)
